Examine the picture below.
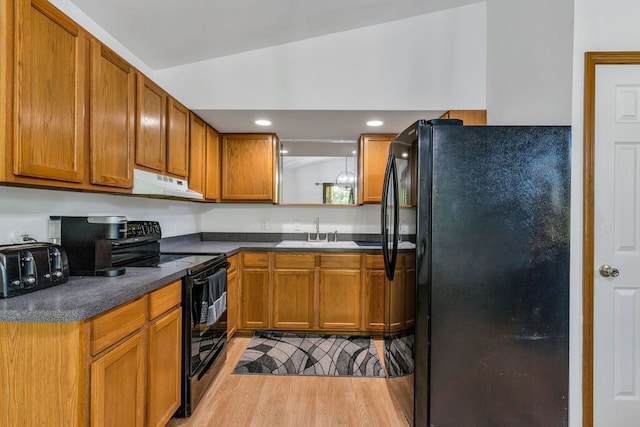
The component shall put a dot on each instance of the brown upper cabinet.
(468, 117)
(212, 178)
(49, 93)
(112, 130)
(177, 139)
(150, 125)
(248, 167)
(204, 159)
(197, 153)
(374, 149)
(68, 117)
(162, 127)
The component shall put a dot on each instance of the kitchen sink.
(321, 244)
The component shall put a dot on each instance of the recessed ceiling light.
(262, 122)
(374, 123)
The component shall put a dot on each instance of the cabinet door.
(151, 110)
(177, 139)
(375, 150)
(293, 292)
(112, 118)
(164, 368)
(255, 298)
(197, 153)
(49, 122)
(232, 297)
(409, 291)
(374, 300)
(118, 385)
(212, 178)
(468, 117)
(247, 167)
(396, 292)
(339, 299)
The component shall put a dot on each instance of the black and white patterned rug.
(287, 353)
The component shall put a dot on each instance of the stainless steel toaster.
(30, 267)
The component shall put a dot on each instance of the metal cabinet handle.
(608, 271)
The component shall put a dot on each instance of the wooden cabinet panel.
(409, 291)
(294, 260)
(468, 117)
(151, 110)
(340, 261)
(293, 292)
(177, 139)
(339, 299)
(197, 153)
(164, 368)
(212, 178)
(375, 281)
(255, 259)
(247, 167)
(50, 67)
(164, 299)
(42, 374)
(112, 118)
(116, 324)
(233, 296)
(255, 298)
(117, 385)
(374, 150)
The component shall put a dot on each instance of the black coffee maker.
(89, 242)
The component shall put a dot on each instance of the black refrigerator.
(487, 208)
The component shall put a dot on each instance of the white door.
(617, 244)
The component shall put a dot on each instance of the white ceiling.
(167, 33)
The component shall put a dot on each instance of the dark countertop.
(83, 297)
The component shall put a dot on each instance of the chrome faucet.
(317, 238)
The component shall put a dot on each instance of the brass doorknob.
(608, 271)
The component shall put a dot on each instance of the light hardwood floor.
(277, 400)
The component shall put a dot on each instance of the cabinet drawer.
(295, 261)
(374, 261)
(116, 324)
(350, 262)
(164, 299)
(255, 259)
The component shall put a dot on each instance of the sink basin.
(305, 244)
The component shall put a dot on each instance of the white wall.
(429, 62)
(27, 210)
(529, 62)
(599, 26)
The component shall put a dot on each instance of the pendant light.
(345, 178)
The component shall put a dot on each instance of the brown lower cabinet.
(233, 296)
(323, 292)
(121, 368)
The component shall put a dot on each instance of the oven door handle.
(206, 279)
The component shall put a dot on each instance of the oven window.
(204, 341)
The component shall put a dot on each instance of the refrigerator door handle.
(390, 179)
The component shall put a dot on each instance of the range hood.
(157, 184)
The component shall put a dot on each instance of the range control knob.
(57, 274)
(29, 280)
(15, 284)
